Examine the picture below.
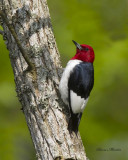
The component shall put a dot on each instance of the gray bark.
(36, 65)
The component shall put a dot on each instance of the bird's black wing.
(81, 79)
(81, 82)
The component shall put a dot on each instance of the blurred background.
(103, 24)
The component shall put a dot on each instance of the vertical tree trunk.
(35, 61)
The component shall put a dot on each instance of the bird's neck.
(83, 57)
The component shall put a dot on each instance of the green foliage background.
(103, 24)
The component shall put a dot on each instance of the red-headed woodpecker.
(77, 82)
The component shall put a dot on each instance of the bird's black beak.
(77, 45)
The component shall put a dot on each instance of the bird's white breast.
(63, 86)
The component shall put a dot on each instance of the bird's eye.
(86, 49)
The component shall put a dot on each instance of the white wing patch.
(77, 103)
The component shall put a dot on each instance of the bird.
(77, 82)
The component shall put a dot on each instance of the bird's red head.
(84, 53)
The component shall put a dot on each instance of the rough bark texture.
(29, 32)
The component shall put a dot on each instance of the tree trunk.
(36, 65)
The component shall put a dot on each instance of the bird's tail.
(74, 121)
